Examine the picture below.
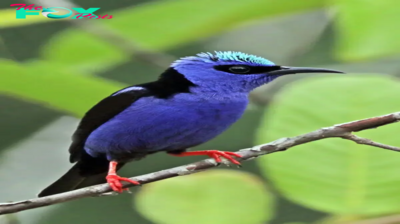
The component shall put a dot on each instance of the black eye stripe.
(250, 69)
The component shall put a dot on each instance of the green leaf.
(8, 19)
(163, 24)
(366, 29)
(218, 196)
(294, 222)
(53, 87)
(335, 175)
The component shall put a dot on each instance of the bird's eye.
(238, 69)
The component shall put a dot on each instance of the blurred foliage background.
(52, 71)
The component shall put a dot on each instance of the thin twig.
(365, 141)
(340, 130)
(120, 42)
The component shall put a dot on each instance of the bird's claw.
(216, 155)
(115, 182)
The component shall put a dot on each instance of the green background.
(53, 71)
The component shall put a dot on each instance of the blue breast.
(152, 124)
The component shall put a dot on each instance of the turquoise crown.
(226, 56)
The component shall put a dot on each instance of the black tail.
(73, 180)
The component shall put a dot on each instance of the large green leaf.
(163, 24)
(335, 175)
(8, 19)
(218, 196)
(367, 29)
(51, 86)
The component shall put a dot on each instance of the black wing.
(101, 113)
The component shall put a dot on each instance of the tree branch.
(339, 131)
(364, 141)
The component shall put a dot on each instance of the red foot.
(115, 182)
(215, 154)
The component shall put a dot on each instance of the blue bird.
(193, 101)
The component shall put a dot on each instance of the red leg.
(215, 154)
(115, 181)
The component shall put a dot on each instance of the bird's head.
(230, 71)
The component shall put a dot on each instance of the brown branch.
(120, 42)
(364, 141)
(340, 130)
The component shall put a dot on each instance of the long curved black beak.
(285, 70)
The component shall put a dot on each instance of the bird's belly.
(152, 127)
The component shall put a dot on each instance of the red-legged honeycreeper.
(193, 101)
